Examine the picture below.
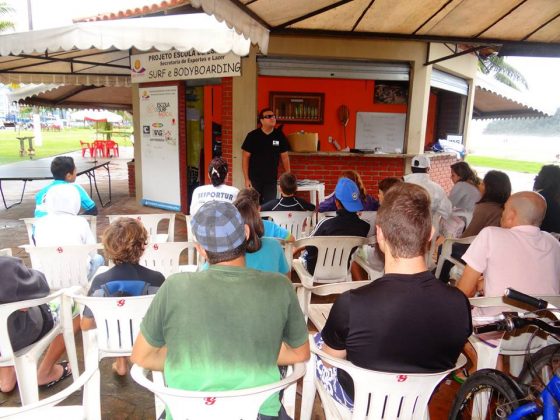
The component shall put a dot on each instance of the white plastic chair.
(191, 254)
(361, 258)
(430, 262)
(370, 217)
(30, 221)
(446, 250)
(164, 257)
(318, 312)
(46, 407)
(25, 360)
(223, 405)
(64, 265)
(334, 254)
(6, 252)
(295, 222)
(118, 324)
(151, 222)
(377, 395)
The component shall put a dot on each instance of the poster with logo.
(159, 119)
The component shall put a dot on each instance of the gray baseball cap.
(218, 227)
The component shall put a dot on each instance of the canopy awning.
(493, 99)
(97, 53)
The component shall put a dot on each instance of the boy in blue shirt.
(63, 170)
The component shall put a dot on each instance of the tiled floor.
(121, 398)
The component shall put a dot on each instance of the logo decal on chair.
(156, 247)
(209, 400)
(121, 302)
(402, 378)
(59, 250)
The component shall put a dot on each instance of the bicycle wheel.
(487, 394)
(540, 366)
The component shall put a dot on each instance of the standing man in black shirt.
(406, 321)
(262, 150)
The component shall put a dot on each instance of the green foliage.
(548, 126)
(505, 164)
(5, 10)
(502, 71)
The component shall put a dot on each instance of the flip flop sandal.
(65, 374)
(458, 379)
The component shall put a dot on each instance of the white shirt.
(206, 193)
(440, 202)
(62, 229)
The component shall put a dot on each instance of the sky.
(542, 74)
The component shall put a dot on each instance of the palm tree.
(5, 10)
(502, 71)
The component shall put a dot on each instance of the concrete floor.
(122, 398)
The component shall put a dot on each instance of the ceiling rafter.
(501, 18)
(542, 26)
(431, 17)
(360, 18)
(251, 14)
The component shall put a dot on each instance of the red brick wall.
(227, 122)
(328, 169)
(440, 171)
(131, 178)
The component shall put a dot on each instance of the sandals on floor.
(65, 374)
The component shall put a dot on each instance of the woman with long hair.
(218, 190)
(465, 192)
(369, 203)
(264, 254)
(547, 183)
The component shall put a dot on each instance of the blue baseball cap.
(218, 226)
(348, 194)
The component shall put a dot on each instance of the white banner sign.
(181, 65)
(159, 117)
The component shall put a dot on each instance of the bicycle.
(491, 394)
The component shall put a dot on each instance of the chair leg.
(308, 390)
(26, 372)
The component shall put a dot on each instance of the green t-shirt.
(223, 329)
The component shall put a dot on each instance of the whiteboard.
(380, 131)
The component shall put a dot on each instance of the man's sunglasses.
(269, 117)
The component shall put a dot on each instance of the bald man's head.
(524, 208)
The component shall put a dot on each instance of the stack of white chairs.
(377, 395)
(223, 405)
(151, 222)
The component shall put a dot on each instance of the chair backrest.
(382, 395)
(430, 262)
(295, 222)
(30, 221)
(224, 405)
(191, 254)
(164, 256)
(151, 222)
(333, 256)
(118, 321)
(45, 408)
(64, 265)
(370, 217)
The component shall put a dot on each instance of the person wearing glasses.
(262, 150)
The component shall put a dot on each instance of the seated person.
(406, 321)
(547, 184)
(62, 225)
(218, 190)
(227, 327)
(63, 170)
(345, 223)
(288, 200)
(26, 327)
(368, 202)
(124, 242)
(264, 254)
(271, 229)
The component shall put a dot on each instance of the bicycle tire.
(504, 397)
(535, 364)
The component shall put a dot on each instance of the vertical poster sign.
(159, 121)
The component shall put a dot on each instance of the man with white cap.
(225, 328)
(420, 166)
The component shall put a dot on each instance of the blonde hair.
(355, 176)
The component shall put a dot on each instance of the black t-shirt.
(551, 221)
(345, 223)
(287, 204)
(265, 152)
(409, 323)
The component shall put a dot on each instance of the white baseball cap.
(420, 161)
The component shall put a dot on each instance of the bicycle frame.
(549, 409)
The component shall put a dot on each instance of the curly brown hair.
(125, 240)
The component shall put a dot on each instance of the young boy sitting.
(124, 242)
(288, 201)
